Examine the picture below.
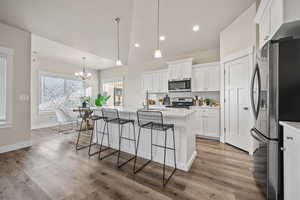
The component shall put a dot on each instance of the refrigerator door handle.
(255, 108)
(256, 136)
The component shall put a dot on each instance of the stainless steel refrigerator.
(275, 96)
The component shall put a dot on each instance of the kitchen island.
(183, 120)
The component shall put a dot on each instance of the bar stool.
(86, 114)
(153, 120)
(111, 116)
(95, 118)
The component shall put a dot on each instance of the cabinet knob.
(246, 108)
(282, 148)
(289, 138)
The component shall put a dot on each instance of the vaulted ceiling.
(89, 25)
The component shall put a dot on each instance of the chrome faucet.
(147, 100)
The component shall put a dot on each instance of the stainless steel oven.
(179, 85)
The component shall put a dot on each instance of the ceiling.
(89, 27)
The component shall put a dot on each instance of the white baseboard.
(189, 164)
(16, 146)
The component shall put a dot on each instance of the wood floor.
(51, 169)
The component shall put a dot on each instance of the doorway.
(238, 117)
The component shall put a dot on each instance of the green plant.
(207, 101)
(101, 99)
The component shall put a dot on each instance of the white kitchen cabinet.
(206, 77)
(180, 69)
(291, 144)
(155, 82)
(275, 19)
(207, 122)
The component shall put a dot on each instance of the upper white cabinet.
(206, 77)
(272, 15)
(180, 69)
(155, 82)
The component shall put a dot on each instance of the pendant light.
(157, 52)
(83, 74)
(118, 61)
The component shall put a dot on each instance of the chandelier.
(83, 74)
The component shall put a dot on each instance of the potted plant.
(85, 101)
(207, 101)
(101, 99)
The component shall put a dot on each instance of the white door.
(237, 103)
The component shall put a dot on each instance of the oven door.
(179, 85)
(265, 161)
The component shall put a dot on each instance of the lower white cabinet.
(207, 122)
(291, 143)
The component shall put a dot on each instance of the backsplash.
(215, 96)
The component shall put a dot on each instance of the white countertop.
(205, 107)
(167, 112)
(293, 125)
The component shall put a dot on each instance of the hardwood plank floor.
(52, 169)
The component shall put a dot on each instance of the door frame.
(237, 55)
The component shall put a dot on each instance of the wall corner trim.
(12, 147)
(239, 54)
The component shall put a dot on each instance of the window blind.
(3, 66)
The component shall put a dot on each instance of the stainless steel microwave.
(179, 85)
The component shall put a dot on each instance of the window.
(6, 61)
(59, 91)
(3, 88)
(114, 89)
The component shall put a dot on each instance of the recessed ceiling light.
(136, 45)
(196, 28)
(162, 38)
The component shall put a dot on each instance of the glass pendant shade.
(119, 63)
(157, 53)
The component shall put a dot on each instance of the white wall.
(132, 74)
(19, 41)
(40, 64)
(240, 34)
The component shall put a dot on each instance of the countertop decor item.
(101, 99)
(85, 101)
(207, 101)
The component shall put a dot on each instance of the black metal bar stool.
(95, 118)
(86, 115)
(111, 116)
(153, 120)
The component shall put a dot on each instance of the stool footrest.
(142, 167)
(120, 165)
(156, 145)
(173, 172)
(125, 138)
(110, 154)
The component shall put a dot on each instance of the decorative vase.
(84, 104)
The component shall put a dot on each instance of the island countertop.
(183, 120)
(167, 112)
